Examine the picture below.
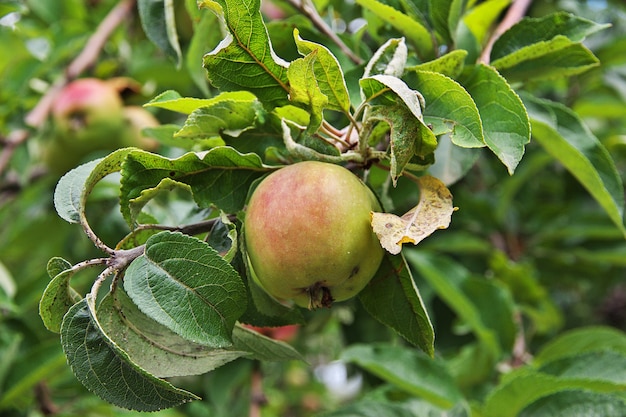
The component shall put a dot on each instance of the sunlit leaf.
(328, 73)
(172, 100)
(245, 60)
(545, 47)
(413, 30)
(304, 89)
(530, 31)
(229, 117)
(451, 64)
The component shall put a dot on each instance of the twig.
(308, 9)
(96, 42)
(38, 115)
(513, 15)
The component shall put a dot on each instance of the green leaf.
(445, 15)
(576, 403)
(450, 64)
(158, 22)
(452, 162)
(304, 90)
(449, 109)
(393, 285)
(525, 386)
(224, 237)
(8, 287)
(370, 408)
(10, 343)
(555, 59)
(602, 365)
(245, 60)
(328, 73)
(136, 205)
(41, 361)
(203, 39)
(530, 31)
(449, 280)
(220, 176)
(545, 47)
(172, 100)
(583, 340)
(506, 127)
(407, 369)
(72, 190)
(389, 59)
(58, 296)
(393, 102)
(564, 136)
(229, 117)
(263, 348)
(152, 346)
(413, 30)
(183, 283)
(481, 18)
(107, 371)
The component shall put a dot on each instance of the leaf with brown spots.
(433, 212)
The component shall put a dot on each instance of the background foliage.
(525, 289)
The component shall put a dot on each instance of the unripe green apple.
(308, 234)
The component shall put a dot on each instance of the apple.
(308, 236)
(285, 333)
(85, 103)
(137, 118)
(86, 117)
(89, 120)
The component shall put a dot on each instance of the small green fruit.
(308, 234)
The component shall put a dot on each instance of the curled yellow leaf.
(433, 212)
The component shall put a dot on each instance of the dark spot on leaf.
(172, 173)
